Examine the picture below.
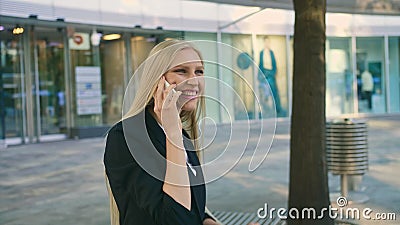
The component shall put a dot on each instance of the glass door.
(49, 83)
(12, 94)
(394, 74)
(371, 85)
(339, 77)
(113, 63)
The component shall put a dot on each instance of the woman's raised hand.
(166, 110)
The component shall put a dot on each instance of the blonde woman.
(152, 168)
(162, 121)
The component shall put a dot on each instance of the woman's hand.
(209, 221)
(166, 110)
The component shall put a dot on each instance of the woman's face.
(186, 72)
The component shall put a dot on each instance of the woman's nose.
(193, 80)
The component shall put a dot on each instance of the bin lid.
(347, 121)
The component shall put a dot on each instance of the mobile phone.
(167, 85)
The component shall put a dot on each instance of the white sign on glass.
(88, 90)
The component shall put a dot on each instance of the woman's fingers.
(159, 95)
(170, 113)
(169, 88)
(169, 95)
(175, 97)
(171, 99)
(165, 97)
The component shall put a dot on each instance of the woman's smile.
(189, 94)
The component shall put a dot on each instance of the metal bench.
(241, 218)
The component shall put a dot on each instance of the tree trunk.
(308, 186)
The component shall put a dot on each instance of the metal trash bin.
(347, 149)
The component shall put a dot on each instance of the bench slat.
(224, 216)
(234, 220)
(243, 218)
(240, 218)
(230, 217)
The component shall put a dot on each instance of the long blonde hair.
(147, 77)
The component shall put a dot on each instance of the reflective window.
(12, 86)
(370, 74)
(113, 64)
(339, 77)
(48, 59)
(141, 46)
(86, 80)
(270, 55)
(98, 72)
(394, 73)
(241, 75)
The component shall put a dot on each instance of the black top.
(139, 195)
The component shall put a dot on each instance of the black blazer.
(139, 195)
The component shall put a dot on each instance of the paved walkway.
(63, 182)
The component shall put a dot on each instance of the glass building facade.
(46, 93)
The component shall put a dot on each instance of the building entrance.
(32, 85)
(12, 86)
(49, 81)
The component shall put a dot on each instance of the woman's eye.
(199, 72)
(179, 71)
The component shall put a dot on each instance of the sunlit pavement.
(63, 182)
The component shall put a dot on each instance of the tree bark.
(308, 186)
